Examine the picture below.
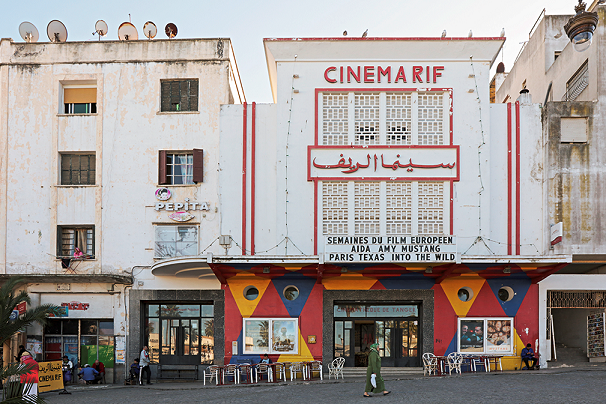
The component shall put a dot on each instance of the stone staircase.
(569, 356)
(385, 372)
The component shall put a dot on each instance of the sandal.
(386, 393)
(366, 395)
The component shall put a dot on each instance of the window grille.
(366, 118)
(335, 118)
(78, 169)
(334, 208)
(578, 299)
(431, 208)
(399, 118)
(399, 208)
(179, 95)
(431, 119)
(72, 237)
(577, 83)
(366, 205)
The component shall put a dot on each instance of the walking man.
(144, 364)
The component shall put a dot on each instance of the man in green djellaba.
(374, 381)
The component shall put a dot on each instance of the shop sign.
(50, 376)
(403, 249)
(182, 206)
(76, 306)
(349, 310)
(22, 308)
(385, 74)
(438, 163)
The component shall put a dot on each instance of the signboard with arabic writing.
(403, 249)
(435, 163)
(50, 376)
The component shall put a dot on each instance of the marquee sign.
(395, 249)
(435, 163)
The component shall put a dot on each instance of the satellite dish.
(150, 30)
(127, 32)
(56, 31)
(28, 32)
(100, 28)
(171, 30)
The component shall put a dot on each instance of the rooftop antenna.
(56, 31)
(100, 28)
(170, 30)
(150, 30)
(127, 32)
(28, 32)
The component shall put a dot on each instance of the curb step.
(384, 371)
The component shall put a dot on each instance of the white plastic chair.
(263, 368)
(454, 360)
(232, 370)
(430, 364)
(335, 368)
(297, 367)
(210, 373)
(312, 367)
(480, 361)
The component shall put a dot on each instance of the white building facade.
(571, 87)
(109, 165)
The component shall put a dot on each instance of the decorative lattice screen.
(399, 208)
(366, 205)
(399, 118)
(431, 119)
(366, 118)
(431, 208)
(334, 118)
(334, 207)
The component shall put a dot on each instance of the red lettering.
(436, 73)
(416, 74)
(400, 75)
(350, 73)
(387, 72)
(369, 74)
(427, 71)
(330, 69)
(341, 71)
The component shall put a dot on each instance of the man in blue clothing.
(528, 355)
(88, 374)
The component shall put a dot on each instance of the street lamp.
(581, 26)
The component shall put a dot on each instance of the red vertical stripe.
(509, 196)
(244, 181)
(451, 207)
(518, 221)
(252, 179)
(315, 236)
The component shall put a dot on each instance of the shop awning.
(183, 267)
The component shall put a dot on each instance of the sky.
(246, 23)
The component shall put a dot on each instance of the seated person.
(528, 355)
(67, 367)
(99, 367)
(134, 370)
(88, 374)
(265, 359)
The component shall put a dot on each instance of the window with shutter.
(71, 237)
(179, 95)
(78, 169)
(79, 100)
(181, 168)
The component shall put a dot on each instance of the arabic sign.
(50, 376)
(438, 163)
(390, 249)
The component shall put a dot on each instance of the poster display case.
(595, 335)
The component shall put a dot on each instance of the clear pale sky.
(246, 23)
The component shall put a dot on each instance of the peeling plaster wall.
(126, 134)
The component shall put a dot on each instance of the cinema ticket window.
(485, 335)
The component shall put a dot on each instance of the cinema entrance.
(394, 326)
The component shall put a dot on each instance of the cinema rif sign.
(392, 249)
(436, 163)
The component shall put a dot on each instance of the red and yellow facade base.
(483, 281)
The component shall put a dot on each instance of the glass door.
(385, 338)
(344, 341)
(407, 337)
(180, 341)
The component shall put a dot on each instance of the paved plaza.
(565, 385)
